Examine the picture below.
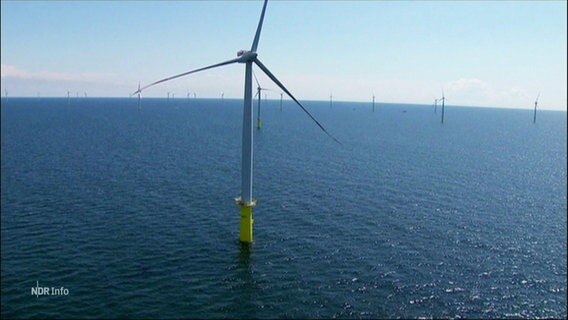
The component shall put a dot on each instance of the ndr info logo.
(49, 291)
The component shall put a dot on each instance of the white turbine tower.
(373, 102)
(139, 94)
(443, 101)
(246, 202)
(535, 104)
(435, 105)
(281, 94)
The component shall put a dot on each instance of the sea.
(113, 211)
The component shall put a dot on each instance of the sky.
(479, 53)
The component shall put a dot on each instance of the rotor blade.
(278, 83)
(186, 73)
(257, 84)
(257, 35)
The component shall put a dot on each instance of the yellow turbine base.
(246, 221)
(258, 123)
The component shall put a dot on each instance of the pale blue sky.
(481, 53)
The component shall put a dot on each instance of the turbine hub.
(246, 55)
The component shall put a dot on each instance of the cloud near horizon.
(11, 71)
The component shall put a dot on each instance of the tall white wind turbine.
(443, 101)
(259, 90)
(535, 104)
(139, 94)
(246, 202)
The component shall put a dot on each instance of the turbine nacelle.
(246, 56)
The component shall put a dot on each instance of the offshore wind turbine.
(245, 201)
(281, 94)
(258, 93)
(68, 97)
(330, 100)
(373, 102)
(139, 94)
(535, 104)
(435, 105)
(443, 100)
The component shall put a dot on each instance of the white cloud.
(10, 71)
(476, 92)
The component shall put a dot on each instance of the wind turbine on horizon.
(443, 100)
(435, 105)
(245, 201)
(535, 104)
(139, 94)
(281, 94)
(330, 100)
(68, 97)
(373, 102)
(258, 93)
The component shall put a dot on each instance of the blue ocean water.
(132, 211)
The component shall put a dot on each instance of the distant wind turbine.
(281, 94)
(139, 94)
(248, 57)
(222, 96)
(194, 95)
(535, 104)
(373, 102)
(68, 97)
(5, 93)
(435, 105)
(85, 94)
(330, 100)
(443, 100)
(258, 92)
(187, 91)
